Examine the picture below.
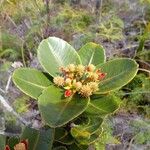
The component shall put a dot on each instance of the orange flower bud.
(101, 76)
(90, 68)
(68, 93)
(7, 147)
(23, 145)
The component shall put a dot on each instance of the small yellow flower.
(71, 67)
(94, 86)
(79, 79)
(65, 69)
(85, 91)
(20, 146)
(80, 69)
(58, 80)
(70, 75)
(77, 85)
(68, 81)
(91, 68)
(93, 76)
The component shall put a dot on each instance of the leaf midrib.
(91, 59)
(36, 85)
(55, 54)
(61, 112)
(98, 108)
(111, 78)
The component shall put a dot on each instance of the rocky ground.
(127, 46)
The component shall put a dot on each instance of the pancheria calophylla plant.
(73, 92)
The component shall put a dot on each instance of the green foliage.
(12, 141)
(111, 29)
(2, 141)
(57, 52)
(11, 46)
(21, 104)
(32, 82)
(39, 140)
(79, 118)
(87, 133)
(18, 9)
(119, 73)
(70, 19)
(141, 52)
(141, 131)
(102, 105)
(106, 136)
(138, 96)
(57, 110)
(145, 1)
(5, 67)
(92, 53)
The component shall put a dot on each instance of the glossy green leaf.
(60, 148)
(85, 130)
(12, 141)
(60, 133)
(88, 141)
(63, 137)
(119, 73)
(30, 81)
(66, 140)
(39, 140)
(2, 141)
(54, 53)
(56, 110)
(103, 105)
(76, 146)
(92, 53)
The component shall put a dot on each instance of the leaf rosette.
(75, 84)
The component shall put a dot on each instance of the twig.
(145, 70)
(8, 84)
(131, 141)
(2, 90)
(22, 55)
(101, 5)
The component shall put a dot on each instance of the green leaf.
(103, 105)
(119, 73)
(39, 140)
(92, 53)
(85, 130)
(60, 148)
(66, 140)
(30, 81)
(2, 141)
(12, 141)
(54, 53)
(62, 136)
(88, 141)
(60, 133)
(76, 146)
(86, 134)
(56, 110)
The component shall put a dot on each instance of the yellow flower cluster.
(79, 79)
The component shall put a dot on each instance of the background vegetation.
(122, 27)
